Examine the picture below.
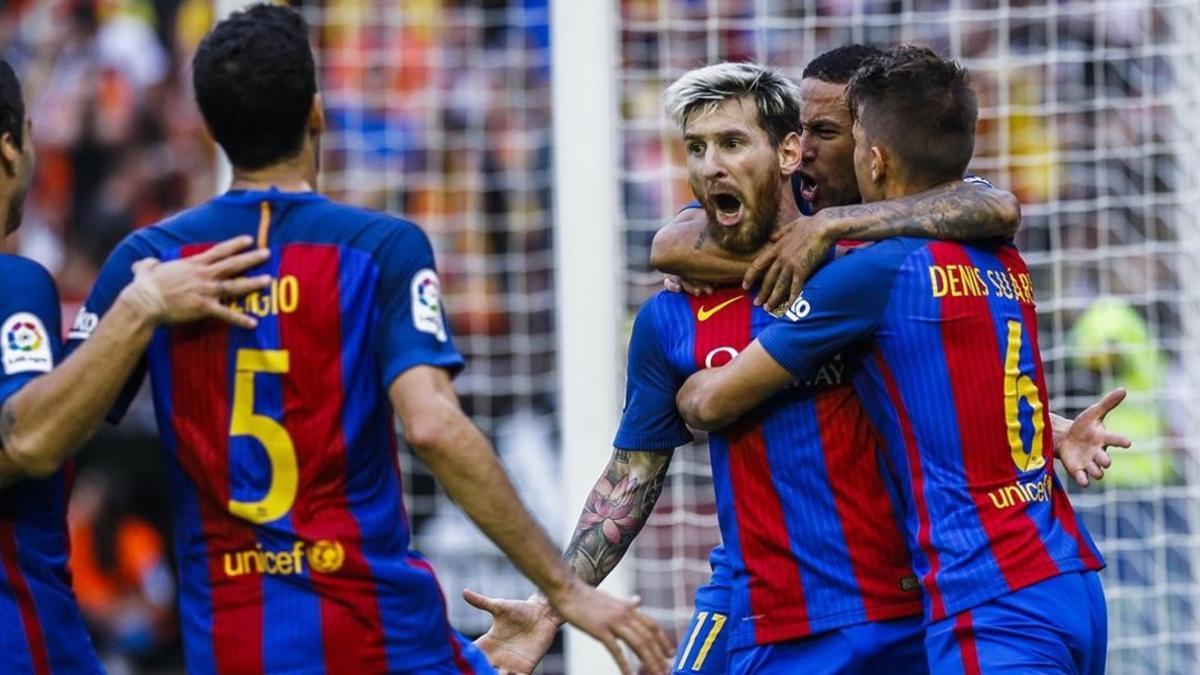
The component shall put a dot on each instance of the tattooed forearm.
(615, 512)
(956, 211)
(700, 239)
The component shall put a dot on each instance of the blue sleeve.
(30, 324)
(116, 273)
(842, 305)
(412, 329)
(650, 420)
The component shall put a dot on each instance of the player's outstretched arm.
(43, 424)
(960, 210)
(683, 248)
(463, 461)
(1082, 444)
(616, 509)
(714, 397)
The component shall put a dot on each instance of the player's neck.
(788, 210)
(297, 174)
(265, 179)
(899, 188)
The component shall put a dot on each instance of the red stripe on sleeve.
(34, 637)
(937, 606)
(201, 416)
(878, 554)
(776, 590)
(975, 362)
(314, 397)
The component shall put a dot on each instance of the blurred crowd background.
(440, 110)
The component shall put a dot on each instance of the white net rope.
(1088, 114)
(440, 112)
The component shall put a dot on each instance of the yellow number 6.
(1017, 386)
(281, 453)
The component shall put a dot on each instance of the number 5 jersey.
(290, 530)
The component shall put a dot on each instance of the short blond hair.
(776, 97)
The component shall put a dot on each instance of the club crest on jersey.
(25, 346)
(427, 304)
(85, 324)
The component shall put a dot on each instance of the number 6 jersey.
(290, 531)
(953, 379)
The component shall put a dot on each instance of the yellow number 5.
(281, 453)
(1018, 386)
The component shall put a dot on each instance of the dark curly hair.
(255, 80)
(920, 106)
(12, 105)
(839, 64)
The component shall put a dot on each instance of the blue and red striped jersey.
(809, 528)
(44, 631)
(290, 529)
(954, 381)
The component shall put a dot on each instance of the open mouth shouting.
(808, 188)
(726, 207)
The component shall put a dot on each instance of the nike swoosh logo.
(705, 314)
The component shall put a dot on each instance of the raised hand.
(521, 633)
(195, 287)
(1081, 446)
(613, 621)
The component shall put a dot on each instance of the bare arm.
(43, 424)
(682, 247)
(714, 397)
(955, 211)
(617, 508)
(463, 461)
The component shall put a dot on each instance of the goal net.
(1087, 113)
(442, 111)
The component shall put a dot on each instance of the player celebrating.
(823, 183)
(953, 379)
(824, 186)
(45, 415)
(522, 633)
(292, 541)
(806, 555)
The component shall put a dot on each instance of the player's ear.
(879, 164)
(10, 154)
(789, 153)
(316, 115)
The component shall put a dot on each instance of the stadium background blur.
(441, 111)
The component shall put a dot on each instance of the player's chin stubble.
(756, 227)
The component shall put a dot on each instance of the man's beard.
(757, 224)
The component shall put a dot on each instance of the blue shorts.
(702, 649)
(896, 647)
(1057, 626)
